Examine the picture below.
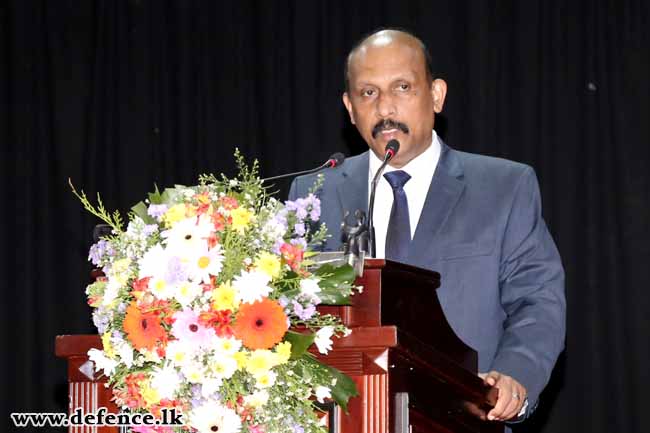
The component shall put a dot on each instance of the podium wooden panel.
(414, 375)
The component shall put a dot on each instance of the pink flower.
(188, 329)
(149, 429)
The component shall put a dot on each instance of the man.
(475, 219)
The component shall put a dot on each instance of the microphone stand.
(391, 149)
(333, 161)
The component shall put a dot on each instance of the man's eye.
(403, 87)
(368, 92)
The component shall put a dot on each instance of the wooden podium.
(414, 375)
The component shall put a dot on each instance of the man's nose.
(386, 106)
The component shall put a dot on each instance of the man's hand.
(512, 396)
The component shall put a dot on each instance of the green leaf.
(344, 388)
(335, 284)
(140, 210)
(299, 342)
(157, 198)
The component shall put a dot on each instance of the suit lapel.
(353, 186)
(444, 192)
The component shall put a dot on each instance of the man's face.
(390, 97)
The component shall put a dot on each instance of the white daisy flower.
(188, 235)
(210, 386)
(160, 288)
(179, 353)
(125, 352)
(322, 392)
(153, 262)
(102, 362)
(265, 379)
(111, 292)
(166, 381)
(224, 367)
(257, 399)
(193, 372)
(211, 417)
(324, 339)
(186, 292)
(205, 262)
(252, 286)
(309, 287)
(226, 346)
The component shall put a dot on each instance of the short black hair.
(428, 61)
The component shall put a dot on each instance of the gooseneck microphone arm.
(334, 160)
(391, 150)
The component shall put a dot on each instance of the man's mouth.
(388, 128)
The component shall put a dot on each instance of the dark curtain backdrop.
(117, 95)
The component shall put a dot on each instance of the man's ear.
(438, 93)
(348, 106)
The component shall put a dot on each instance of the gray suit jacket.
(502, 281)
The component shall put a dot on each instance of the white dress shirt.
(421, 170)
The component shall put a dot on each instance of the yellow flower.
(177, 353)
(108, 347)
(260, 361)
(257, 399)
(120, 271)
(283, 352)
(174, 214)
(224, 366)
(265, 380)
(240, 218)
(269, 264)
(224, 297)
(149, 394)
(242, 359)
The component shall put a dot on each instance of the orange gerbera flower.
(142, 329)
(260, 325)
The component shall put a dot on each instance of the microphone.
(334, 160)
(391, 150)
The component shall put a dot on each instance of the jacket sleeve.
(531, 281)
(294, 191)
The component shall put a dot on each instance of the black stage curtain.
(117, 95)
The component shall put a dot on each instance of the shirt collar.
(419, 167)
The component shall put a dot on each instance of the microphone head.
(336, 159)
(391, 149)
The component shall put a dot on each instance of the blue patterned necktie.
(398, 234)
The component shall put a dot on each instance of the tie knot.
(397, 179)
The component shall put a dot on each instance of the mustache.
(387, 124)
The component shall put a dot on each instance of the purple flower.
(197, 398)
(283, 301)
(299, 229)
(305, 207)
(299, 207)
(117, 336)
(299, 241)
(280, 218)
(157, 210)
(303, 313)
(99, 250)
(277, 245)
(176, 271)
(149, 229)
(101, 319)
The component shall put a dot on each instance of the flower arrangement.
(208, 306)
